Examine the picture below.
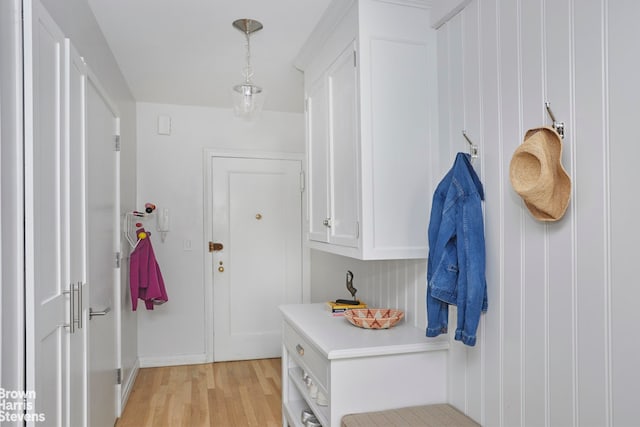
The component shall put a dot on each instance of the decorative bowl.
(374, 318)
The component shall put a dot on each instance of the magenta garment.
(145, 279)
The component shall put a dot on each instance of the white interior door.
(102, 244)
(47, 307)
(257, 218)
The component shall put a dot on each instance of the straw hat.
(537, 174)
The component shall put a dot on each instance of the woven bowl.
(374, 318)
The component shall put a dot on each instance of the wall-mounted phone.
(163, 223)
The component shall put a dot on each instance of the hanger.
(130, 233)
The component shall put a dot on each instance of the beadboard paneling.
(588, 126)
(622, 292)
(555, 347)
(534, 283)
(490, 145)
(397, 284)
(472, 125)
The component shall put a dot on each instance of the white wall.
(171, 175)
(559, 344)
(76, 20)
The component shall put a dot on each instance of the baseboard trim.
(187, 359)
(128, 384)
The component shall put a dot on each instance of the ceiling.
(186, 51)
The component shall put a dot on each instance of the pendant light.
(247, 96)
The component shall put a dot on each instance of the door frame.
(93, 80)
(209, 155)
(12, 262)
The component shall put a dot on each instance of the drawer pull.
(300, 349)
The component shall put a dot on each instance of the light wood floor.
(224, 394)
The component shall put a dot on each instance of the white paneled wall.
(557, 346)
(394, 284)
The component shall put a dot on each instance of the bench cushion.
(441, 415)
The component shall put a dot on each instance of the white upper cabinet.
(370, 88)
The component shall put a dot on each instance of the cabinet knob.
(327, 222)
(300, 349)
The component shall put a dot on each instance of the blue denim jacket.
(456, 263)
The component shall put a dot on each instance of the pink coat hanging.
(145, 279)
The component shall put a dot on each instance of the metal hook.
(558, 126)
(473, 149)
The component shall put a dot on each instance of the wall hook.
(558, 126)
(473, 149)
(131, 226)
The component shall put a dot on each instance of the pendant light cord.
(248, 72)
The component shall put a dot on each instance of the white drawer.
(309, 358)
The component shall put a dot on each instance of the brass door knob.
(221, 269)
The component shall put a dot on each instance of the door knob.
(104, 312)
(221, 269)
(215, 247)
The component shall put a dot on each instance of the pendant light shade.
(248, 98)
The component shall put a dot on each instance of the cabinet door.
(318, 161)
(343, 149)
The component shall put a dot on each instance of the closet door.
(48, 302)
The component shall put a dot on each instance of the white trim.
(117, 304)
(207, 265)
(323, 29)
(12, 354)
(127, 386)
(608, 263)
(28, 120)
(92, 80)
(422, 4)
(444, 10)
(210, 153)
(91, 76)
(185, 359)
